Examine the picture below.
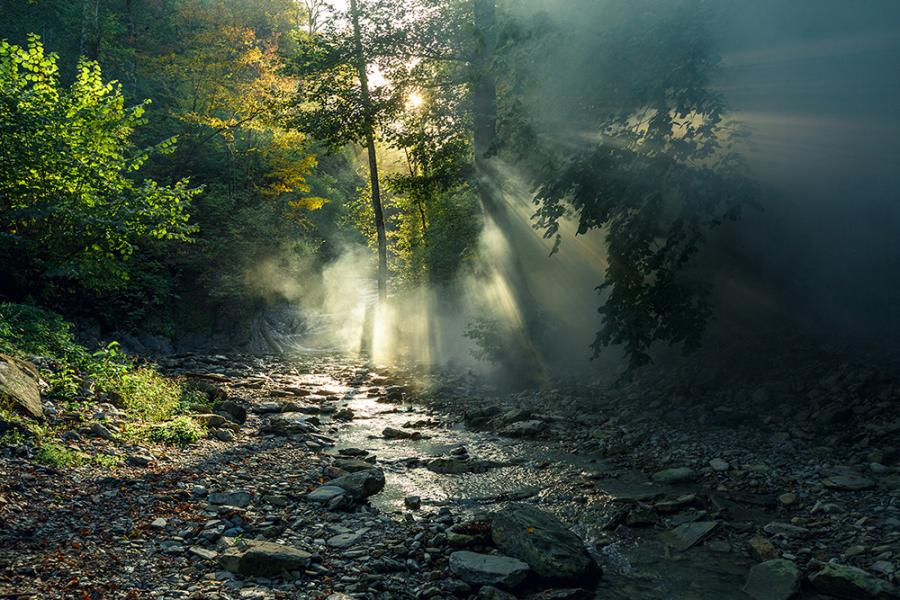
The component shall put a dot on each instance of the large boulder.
(19, 386)
(289, 423)
(777, 579)
(542, 541)
(264, 559)
(360, 485)
(841, 581)
(488, 569)
(353, 465)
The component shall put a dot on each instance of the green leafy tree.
(336, 101)
(72, 212)
(618, 126)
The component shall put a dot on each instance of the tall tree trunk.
(369, 126)
(524, 359)
(89, 46)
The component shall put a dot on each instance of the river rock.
(453, 465)
(848, 481)
(390, 433)
(524, 429)
(718, 465)
(264, 559)
(289, 423)
(490, 592)
(851, 583)
(761, 549)
(360, 485)
(566, 594)
(777, 579)
(19, 386)
(344, 540)
(231, 410)
(101, 431)
(266, 408)
(325, 494)
(488, 569)
(345, 414)
(224, 435)
(676, 475)
(786, 530)
(353, 465)
(689, 534)
(541, 540)
(210, 420)
(241, 499)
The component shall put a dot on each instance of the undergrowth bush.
(57, 455)
(26, 331)
(180, 431)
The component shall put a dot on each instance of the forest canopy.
(160, 156)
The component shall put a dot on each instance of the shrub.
(57, 455)
(70, 209)
(30, 331)
(178, 432)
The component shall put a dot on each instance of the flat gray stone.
(848, 482)
(344, 540)
(289, 423)
(688, 535)
(264, 559)
(488, 569)
(524, 429)
(203, 553)
(325, 493)
(360, 485)
(240, 499)
(676, 475)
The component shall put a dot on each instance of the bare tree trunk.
(370, 146)
(132, 44)
(89, 46)
(525, 357)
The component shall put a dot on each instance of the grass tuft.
(181, 431)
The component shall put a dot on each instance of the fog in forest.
(815, 91)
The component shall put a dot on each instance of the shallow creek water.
(636, 566)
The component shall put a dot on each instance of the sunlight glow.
(414, 101)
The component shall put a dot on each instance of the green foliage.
(13, 437)
(106, 461)
(27, 331)
(148, 395)
(181, 431)
(490, 337)
(30, 331)
(193, 401)
(100, 237)
(59, 456)
(661, 172)
(70, 209)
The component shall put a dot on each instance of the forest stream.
(323, 476)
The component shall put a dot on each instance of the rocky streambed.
(324, 477)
